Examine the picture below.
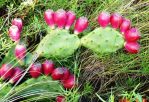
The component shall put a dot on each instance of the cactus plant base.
(58, 43)
(103, 40)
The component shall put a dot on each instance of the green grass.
(116, 72)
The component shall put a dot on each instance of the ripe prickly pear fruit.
(14, 33)
(57, 74)
(20, 51)
(132, 35)
(69, 83)
(35, 70)
(48, 67)
(132, 47)
(60, 99)
(18, 22)
(126, 24)
(104, 19)
(80, 25)
(16, 75)
(116, 20)
(60, 18)
(6, 71)
(49, 17)
(70, 19)
(66, 73)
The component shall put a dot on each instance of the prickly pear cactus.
(58, 43)
(103, 40)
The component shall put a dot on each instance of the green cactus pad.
(58, 43)
(103, 40)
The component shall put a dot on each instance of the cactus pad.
(58, 43)
(103, 40)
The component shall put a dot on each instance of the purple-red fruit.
(48, 67)
(70, 19)
(6, 71)
(16, 75)
(132, 35)
(35, 70)
(60, 18)
(18, 22)
(20, 51)
(126, 24)
(104, 19)
(60, 99)
(69, 83)
(14, 33)
(66, 73)
(49, 17)
(80, 25)
(132, 47)
(57, 74)
(116, 20)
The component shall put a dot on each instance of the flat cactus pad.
(58, 43)
(103, 40)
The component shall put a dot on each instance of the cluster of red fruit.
(61, 73)
(130, 34)
(63, 19)
(60, 18)
(7, 72)
(16, 29)
(47, 67)
(15, 34)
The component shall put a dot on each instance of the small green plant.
(132, 96)
(111, 98)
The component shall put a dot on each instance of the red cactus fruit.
(132, 47)
(20, 51)
(18, 22)
(132, 35)
(35, 70)
(60, 18)
(60, 99)
(71, 16)
(69, 83)
(66, 73)
(126, 24)
(14, 33)
(48, 67)
(6, 71)
(49, 17)
(104, 19)
(16, 75)
(116, 20)
(80, 25)
(57, 74)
